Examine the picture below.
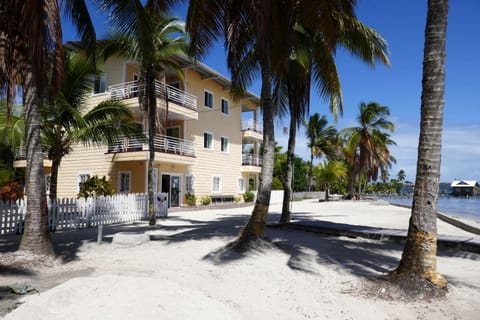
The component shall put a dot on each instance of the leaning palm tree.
(153, 40)
(366, 148)
(37, 33)
(419, 254)
(321, 140)
(66, 121)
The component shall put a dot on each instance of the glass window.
(82, 177)
(241, 185)
(189, 184)
(100, 84)
(208, 99)
(124, 181)
(224, 147)
(207, 140)
(225, 109)
(216, 185)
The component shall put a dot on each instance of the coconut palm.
(321, 140)
(366, 148)
(153, 40)
(66, 121)
(419, 254)
(401, 175)
(329, 173)
(37, 35)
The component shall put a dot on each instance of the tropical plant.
(248, 196)
(328, 174)
(206, 200)
(95, 187)
(401, 175)
(367, 146)
(420, 252)
(191, 199)
(144, 34)
(31, 51)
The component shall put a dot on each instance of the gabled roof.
(463, 183)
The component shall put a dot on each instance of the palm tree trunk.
(287, 184)
(36, 237)
(310, 172)
(152, 117)
(419, 254)
(54, 177)
(256, 225)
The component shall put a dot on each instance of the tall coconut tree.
(329, 173)
(144, 34)
(366, 148)
(419, 254)
(38, 35)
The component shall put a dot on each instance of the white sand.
(182, 274)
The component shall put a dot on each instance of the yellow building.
(199, 148)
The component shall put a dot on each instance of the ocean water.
(467, 208)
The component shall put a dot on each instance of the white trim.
(213, 99)
(119, 181)
(210, 133)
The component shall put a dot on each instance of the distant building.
(463, 188)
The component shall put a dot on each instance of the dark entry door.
(175, 191)
(166, 186)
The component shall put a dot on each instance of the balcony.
(183, 105)
(251, 163)
(173, 150)
(252, 131)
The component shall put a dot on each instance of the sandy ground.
(183, 273)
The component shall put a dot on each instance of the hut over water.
(463, 188)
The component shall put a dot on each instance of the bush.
(277, 184)
(248, 196)
(206, 200)
(237, 199)
(191, 199)
(94, 187)
(11, 191)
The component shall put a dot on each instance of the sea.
(466, 208)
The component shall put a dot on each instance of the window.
(100, 84)
(216, 185)
(189, 184)
(241, 185)
(48, 180)
(124, 181)
(173, 132)
(81, 178)
(224, 141)
(208, 140)
(225, 109)
(208, 99)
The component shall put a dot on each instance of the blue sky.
(402, 24)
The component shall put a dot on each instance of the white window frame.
(189, 186)
(211, 146)
(205, 91)
(80, 179)
(222, 100)
(221, 144)
(219, 184)
(100, 77)
(119, 181)
(241, 184)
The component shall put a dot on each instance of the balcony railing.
(251, 125)
(132, 89)
(162, 143)
(251, 160)
(21, 153)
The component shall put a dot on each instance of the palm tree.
(419, 254)
(321, 140)
(401, 175)
(329, 173)
(366, 148)
(37, 34)
(146, 36)
(65, 122)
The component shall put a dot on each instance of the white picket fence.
(72, 213)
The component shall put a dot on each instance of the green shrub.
(206, 200)
(191, 199)
(248, 196)
(237, 199)
(277, 184)
(94, 187)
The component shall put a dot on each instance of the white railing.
(251, 160)
(75, 213)
(162, 143)
(131, 89)
(251, 125)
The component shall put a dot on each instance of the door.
(175, 191)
